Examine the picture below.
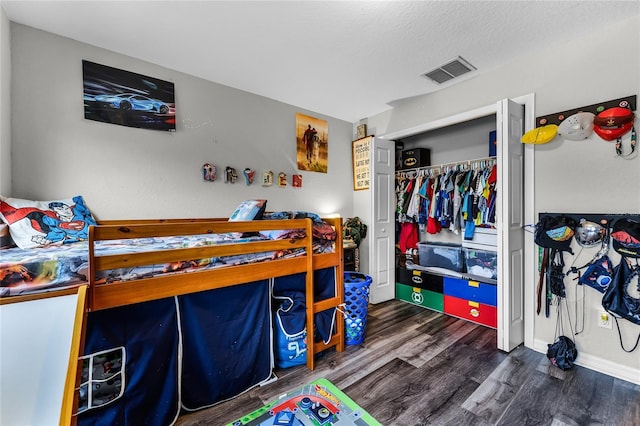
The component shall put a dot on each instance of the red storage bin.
(471, 311)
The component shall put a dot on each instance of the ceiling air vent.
(450, 70)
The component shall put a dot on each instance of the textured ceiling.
(345, 59)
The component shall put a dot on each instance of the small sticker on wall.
(249, 175)
(230, 175)
(209, 172)
(296, 181)
(267, 178)
(282, 179)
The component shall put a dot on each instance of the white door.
(381, 232)
(510, 154)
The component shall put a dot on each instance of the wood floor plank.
(456, 330)
(534, 403)
(377, 392)
(494, 395)
(441, 385)
(624, 404)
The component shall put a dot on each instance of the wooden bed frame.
(104, 296)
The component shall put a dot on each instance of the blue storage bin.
(474, 291)
(356, 298)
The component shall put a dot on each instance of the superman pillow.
(42, 223)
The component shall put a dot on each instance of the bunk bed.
(193, 293)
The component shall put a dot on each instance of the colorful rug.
(318, 403)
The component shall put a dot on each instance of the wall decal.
(267, 178)
(282, 179)
(230, 175)
(249, 175)
(209, 172)
(121, 97)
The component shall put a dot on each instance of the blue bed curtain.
(149, 333)
(289, 304)
(226, 335)
(324, 284)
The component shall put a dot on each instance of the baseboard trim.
(598, 364)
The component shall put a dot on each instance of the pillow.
(42, 223)
(5, 239)
(249, 210)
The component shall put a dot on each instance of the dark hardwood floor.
(418, 367)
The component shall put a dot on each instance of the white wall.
(576, 177)
(5, 100)
(127, 172)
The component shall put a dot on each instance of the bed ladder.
(321, 261)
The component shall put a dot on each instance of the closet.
(451, 210)
(510, 118)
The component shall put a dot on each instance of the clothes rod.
(443, 165)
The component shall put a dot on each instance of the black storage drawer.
(420, 279)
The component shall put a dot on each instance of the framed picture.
(121, 97)
(361, 166)
(312, 143)
(361, 131)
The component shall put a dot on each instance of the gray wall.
(127, 172)
(5, 99)
(577, 177)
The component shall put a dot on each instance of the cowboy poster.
(312, 143)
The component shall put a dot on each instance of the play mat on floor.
(318, 403)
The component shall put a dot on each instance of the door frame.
(529, 261)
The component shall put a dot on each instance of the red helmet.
(613, 123)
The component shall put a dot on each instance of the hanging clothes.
(456, 197)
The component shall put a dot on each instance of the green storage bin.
(420, 297)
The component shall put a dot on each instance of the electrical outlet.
(604, 320)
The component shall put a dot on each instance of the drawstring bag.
(562, 352)
(617, 300)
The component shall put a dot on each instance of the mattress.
(25, 271)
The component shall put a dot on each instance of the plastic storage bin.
(356, 298)
(441, 255)
(481, 263)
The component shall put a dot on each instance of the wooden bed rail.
(108, 295)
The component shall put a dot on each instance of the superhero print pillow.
(43, 223)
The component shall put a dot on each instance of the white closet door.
(510, 153)
(381, 233)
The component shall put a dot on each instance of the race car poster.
(312, 143)
(122, 97)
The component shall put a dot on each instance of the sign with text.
(361, 166)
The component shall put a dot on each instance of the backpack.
(554, 235)
(626, 237)
(354, 229)
(617, 300)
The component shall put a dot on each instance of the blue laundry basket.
(356, 298)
